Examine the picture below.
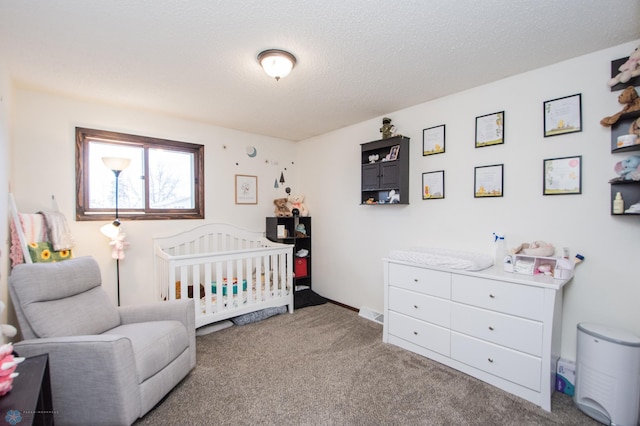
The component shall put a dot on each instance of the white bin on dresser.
(608, 374)
(499, 327)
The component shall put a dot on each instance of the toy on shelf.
(282, 209)
(627, 169)
(297, 202)
(628, 70)
(631, 101)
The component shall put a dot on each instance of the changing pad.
(445, 258)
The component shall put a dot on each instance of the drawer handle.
(492, 296)
(415, 333)
(415, 280)
(415, 306)
(491, 328)
(490, 360)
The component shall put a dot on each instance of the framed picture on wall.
(563, 115)
(488, 181)
(490, 129)
(246, 189)
(562, 176)
(433, 185)
(433, 140)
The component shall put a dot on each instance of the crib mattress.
(444, 258)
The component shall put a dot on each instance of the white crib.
(235, 271)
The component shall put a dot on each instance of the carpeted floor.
(325, 365)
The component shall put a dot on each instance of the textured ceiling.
(357, 59)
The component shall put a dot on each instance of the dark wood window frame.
(84, 136)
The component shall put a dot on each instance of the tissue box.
(566, 377)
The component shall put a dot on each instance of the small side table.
(29, 402)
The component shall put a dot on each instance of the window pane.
(102, 179)
(171, 179)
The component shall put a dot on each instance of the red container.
(300, 267)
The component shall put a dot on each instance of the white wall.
(350, 239)
(44, 147)
(5, 132)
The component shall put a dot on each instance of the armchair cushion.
(72, 302)
(155, 344)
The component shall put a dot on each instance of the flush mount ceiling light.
(276, 63)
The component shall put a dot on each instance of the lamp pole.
(117, 173)
(116, 165)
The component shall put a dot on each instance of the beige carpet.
(325, 365)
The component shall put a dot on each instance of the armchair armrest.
(96, 365)
(182, 310)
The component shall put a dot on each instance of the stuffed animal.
(8, 364)
(634, 128)
(629, 168)
(119, 246)
(282, 210)
(297, 202)
(628, 70)
(631, 101)
(393, 198)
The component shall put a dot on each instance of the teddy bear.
(119, 245)
(629, 168)
(634, 128)
(297, 202)
(282, 210)
(631, 101)
(628, 70)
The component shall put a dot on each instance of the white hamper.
(608, 374)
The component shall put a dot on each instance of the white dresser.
(500, 327)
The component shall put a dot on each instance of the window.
(164, 180)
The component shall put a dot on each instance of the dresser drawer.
(426, 281)
(516, 333)
(421, 333)
(515, 299)
(420, 306)
(517, 367)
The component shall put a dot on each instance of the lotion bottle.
(618, 204)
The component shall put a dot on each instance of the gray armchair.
(108, 365)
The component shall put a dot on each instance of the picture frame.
(433, 140)
(393, 154)
(433, 185)
(562, 115)
(488, 181)
(490, 129)
(562, 176)
(246, 189)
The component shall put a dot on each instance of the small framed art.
(393, 154)
(433, 185)
(562, 176)
(490, 129)
(246, 189)
(563, 115)
(488, 181)
(433, 140)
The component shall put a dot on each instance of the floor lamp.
(112, 230)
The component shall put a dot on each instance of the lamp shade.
(111, 229)
(116, 163)
(277, 63)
